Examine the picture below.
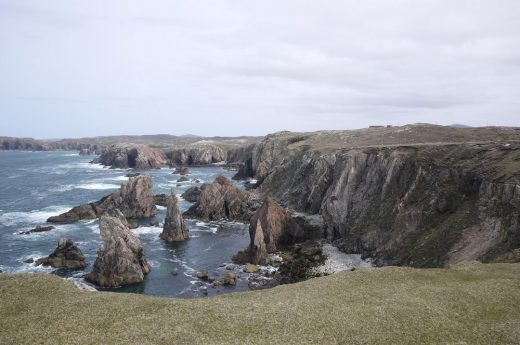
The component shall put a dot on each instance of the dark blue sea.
(37, 185)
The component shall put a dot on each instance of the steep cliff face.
(423, 205)
(197, 154)
(130, 156)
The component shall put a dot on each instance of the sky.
(98, 67)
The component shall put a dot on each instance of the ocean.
(37, 185)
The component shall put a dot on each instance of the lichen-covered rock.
(134, 199)
(66, 255)
(130, 156)
(121, 260)
(221, 200)
(174, 229)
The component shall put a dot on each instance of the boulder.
(183, 179)
(130, 156)
(121, 260)
(134, 199)
(203, 275)
(230, 279)
(174, 229)
(29, 261)
(174, 271)
(66, 255)
(221, 200)
(250, 268)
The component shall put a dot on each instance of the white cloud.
(232, 68)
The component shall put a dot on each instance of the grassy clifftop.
(466, 304)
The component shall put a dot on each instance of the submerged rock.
(38, 229)
(130, 156)
(174, 229)
(121, 260)
(66, 255)
(134, 199)
(222, 200)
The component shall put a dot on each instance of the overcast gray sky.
(99, 67)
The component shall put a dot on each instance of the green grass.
(466, 304)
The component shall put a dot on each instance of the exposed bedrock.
(121, 260)
(130, 156)
(134, 199)
(197, 154)
(419, 205)
(223, 200)
(174, 229)
(66, 255)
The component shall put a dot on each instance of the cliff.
(130, 156)
(430, 202)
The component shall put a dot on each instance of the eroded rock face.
(197, 154)
(134, 199)
(121, 260)
(222, 200)
(66, 255)
(174, 229)
(418, 205)
(271, 228)
(130, 156)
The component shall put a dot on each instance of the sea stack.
(271, 228)
(174, 229)
(121, 260)
(221, 200)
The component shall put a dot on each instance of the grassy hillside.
(467, 304)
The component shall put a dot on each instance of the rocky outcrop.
(121, 260)
(223, 200)
(134, 199)
(192, 194)
(174, 229)
(38, 229)
(422, 205)
(271, 228)
(199, 153)
(66, 255)
(130, 156)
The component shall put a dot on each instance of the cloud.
(204, 67)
